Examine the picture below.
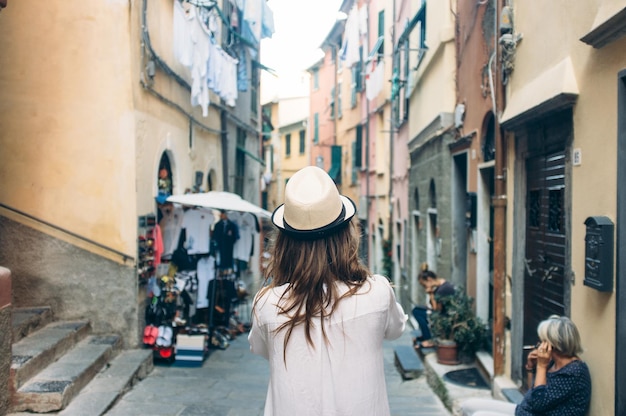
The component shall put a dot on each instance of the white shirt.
(247, 233)
(341, 378)
(197, 223)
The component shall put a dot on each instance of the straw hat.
(313, 207)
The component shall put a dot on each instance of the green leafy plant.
(457, 322)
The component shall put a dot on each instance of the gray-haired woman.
(562, 383)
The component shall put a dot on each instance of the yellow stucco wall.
(81, 139)
(594, 182)
(434, 82)
(67, 118)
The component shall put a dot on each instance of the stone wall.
(73, 282)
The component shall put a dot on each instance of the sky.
(300, 27)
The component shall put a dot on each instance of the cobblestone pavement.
(233, 382)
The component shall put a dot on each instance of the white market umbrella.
(219, 200)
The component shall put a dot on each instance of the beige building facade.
(96, 106)
(564, 123)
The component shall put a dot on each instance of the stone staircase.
(60, 367)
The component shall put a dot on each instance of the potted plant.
(459, 332)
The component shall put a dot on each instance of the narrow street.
(233, 382)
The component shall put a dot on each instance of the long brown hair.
(310, 269)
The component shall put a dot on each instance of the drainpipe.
(395, 279)
(499, 208)
(224, 137)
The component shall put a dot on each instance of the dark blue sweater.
(567, 392)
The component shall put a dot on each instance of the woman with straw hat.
(321, 317)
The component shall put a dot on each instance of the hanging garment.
(181, 35)
(350, 47)
(199, 89)
(222, 293)
(205, 272)
(225, 233)
(171, 224)
(267, 21)
(247, 232)
(197, 223)
(158, 245)
(375, 80)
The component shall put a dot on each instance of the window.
(421, 33)
(335, 164)
(316, 128)
(316, 79)
(288, 144)
(332, 103)
(357, 153)
(302, 141)
(357, 80)
(357, 157)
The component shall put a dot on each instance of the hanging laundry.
(363, 32)
(374, 81)
(349, 52)
(253, 14)
(199, 89)
(257, 21)
(181, 36)
(267, 22)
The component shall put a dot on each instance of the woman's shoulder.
(378, 280)
(577, 368)
(270, 293)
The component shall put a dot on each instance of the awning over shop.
(553, 90)
(219, 200)
(252, 155)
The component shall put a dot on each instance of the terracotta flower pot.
(447, 352)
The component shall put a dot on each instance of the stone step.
(56, 385)
(29, 319)
(513, 395)
(408, 362)
(115, 379)
(43, 347)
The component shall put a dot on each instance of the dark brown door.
(544, 292)
(545, 289)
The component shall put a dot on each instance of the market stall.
(206, 242)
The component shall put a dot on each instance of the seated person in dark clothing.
(562, 384)
(436, 287)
